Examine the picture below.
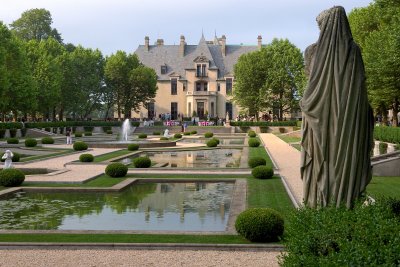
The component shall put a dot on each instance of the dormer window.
(164, 69)
(201, 70)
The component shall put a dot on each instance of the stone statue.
(227, 117)
(337, 118)
(166, 133)
(8, 155)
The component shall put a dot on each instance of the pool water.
(212, 158)
(223, 141)
(189, 206)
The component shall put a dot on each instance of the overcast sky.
(112, 25)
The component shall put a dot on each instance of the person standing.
(69, 137)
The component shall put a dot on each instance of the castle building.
(193, 80)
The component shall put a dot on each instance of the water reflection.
(148, 206)
(223, 141)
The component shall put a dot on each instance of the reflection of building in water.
(182, 198)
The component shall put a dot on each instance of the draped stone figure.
(337, 118)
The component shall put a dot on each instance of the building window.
(198, 70)
(174, 87)
(218, 87)
(174, 110)
(228, 109)
(184, 86)
(198, 86)
(201, 70)
(205, 87)
(150, 110)
(163, 69)
(228, 86)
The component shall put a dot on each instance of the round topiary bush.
(252, 134)
(109, 132)
(47, 129)
(163, 138)
(86, 158)
(212, 143)
(47, 140)
(11, 177)
(208, 135)
(156, 133)
(216, 139)
(116, 169)
(12, 140)
(186, 133)
(256, 161)
(78, 134)
(16, 157)
(142, 135)
(88, 134)
(383, 148)
(262, 172)
(177, 135)
(30, 142)
(142, 162)
(80, 146)
(260, 225)
(193, 132)
(253, 142)
(133, 147)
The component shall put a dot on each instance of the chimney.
(259, 38)
(146, 43)
(182, 46)
(160, 42)
(223, 44)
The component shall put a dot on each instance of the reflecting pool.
(189, 206)
(212, 158)
(223, 141)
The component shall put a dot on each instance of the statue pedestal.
(227, 124)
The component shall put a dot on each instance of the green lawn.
(384, 186)
(56, 154)
(111, 155)
(260, 152)
(289, 139)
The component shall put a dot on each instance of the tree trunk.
(395, 121)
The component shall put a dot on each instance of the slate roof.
(169, 55)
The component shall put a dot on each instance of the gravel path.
(170, 258)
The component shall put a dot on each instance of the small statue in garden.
(166, 133)
(337, 123)
(8, 155)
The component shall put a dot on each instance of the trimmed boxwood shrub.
(47, 140)
(361, 236)
(133, 147)
(260, 225)
(80, 146)
(142, 162)
(86, 158)
(252, 134)
(109, 132)
(30, 142)
(88, 128)
(208, 135)
(11, 177)
(193, 132)
(186, 133)
(164, 138)
(13, 132)
(23, 131)
(142, 135)
(262, 172)
(106, 128)
(2, 133)
(212, 143)
(16, 157)
(383, 148)
(47, 129)
(253, 142)
(88, 134)
(156, 133)
(12, 140)
(116, 169)
(216, 139)
(256, 161)
(177, 135)
(78, 134)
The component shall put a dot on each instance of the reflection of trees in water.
(47, 210)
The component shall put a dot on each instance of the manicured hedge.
(256, 161)
(116, 169)
(387, 134)
(16, 157)
(133, 147)
(12, 140)
(11, 177)
(47, 140)
(212, 143)
(80, 146)
(262, 172)
(142, 162)
(362, 236)
(253, 142)
(86, 158)
(11, 125)
(260, 225)
(263, 123)
(177, 135)
(208, 135)
(30, 142)
(142, 135)
(252, 134)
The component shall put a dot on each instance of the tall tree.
(35, 24)
(270, 79)
(376, 29)
(132, 83)
(83, 81)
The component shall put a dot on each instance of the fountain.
(126, 130)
